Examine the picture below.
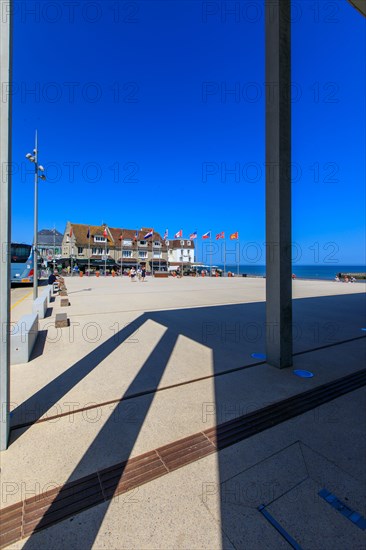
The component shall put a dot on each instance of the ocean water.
(325, 272)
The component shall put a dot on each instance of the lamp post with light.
(38, 173)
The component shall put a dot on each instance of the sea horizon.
(303, 271)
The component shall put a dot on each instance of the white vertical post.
(224, 256)
(5, 214)
(238, 257)
(89, 253)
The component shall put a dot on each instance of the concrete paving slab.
(167, 513)
(312, 522)
(75, 445)
(168, 321)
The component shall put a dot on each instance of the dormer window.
(98, 239)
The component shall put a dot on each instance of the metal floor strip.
(278, 527)
(347, 512)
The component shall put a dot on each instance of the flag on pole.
(105, 233)
(165, 235)
(88, 233)
(136, 235)
(220, 235)
(120, 237)
(193, 235)
(179, 234)
(149, 234)
(70, 234)
(234, 236)
(207, 235)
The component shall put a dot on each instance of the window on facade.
(143, 243)
(126, 254)
(100, 239)
(182, 251)
(157, 254)
(181, 258)
(127, 242)
(80, 250)
(142, 254)
(157, 243)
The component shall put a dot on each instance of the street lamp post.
(38, 173)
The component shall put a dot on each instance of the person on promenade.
(53, 277)
(133, 274)
(143, 274)
(139, 273)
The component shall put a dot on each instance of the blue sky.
(151, 114)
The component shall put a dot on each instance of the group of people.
(346, 279)
(140, 274)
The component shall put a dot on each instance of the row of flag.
(208, 235)
(178, 235)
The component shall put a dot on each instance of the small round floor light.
(303, 373)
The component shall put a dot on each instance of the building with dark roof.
(99, 245)
(50, 244)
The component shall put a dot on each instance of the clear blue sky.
(136, 127)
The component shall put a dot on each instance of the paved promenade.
(143, 365)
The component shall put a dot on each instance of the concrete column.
(278, 184)
(5, 216)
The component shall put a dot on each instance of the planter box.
(161, 274)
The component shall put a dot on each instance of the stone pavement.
(143, 365)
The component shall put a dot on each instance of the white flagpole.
(152, 256)
(210, 252)
(238, 257)
(224, 255)
(105, 257)
(121, 254)
(89, 255)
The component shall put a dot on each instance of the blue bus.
(21, 258)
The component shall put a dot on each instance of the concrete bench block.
(55, 287)
(63, 293)
(40, 306)
(65, 302)
(22, 339)
(161, 274)
(48, 292)
(61, 320)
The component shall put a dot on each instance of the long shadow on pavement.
(215, 328)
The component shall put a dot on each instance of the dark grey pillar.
(5, 216)
(278, 184)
